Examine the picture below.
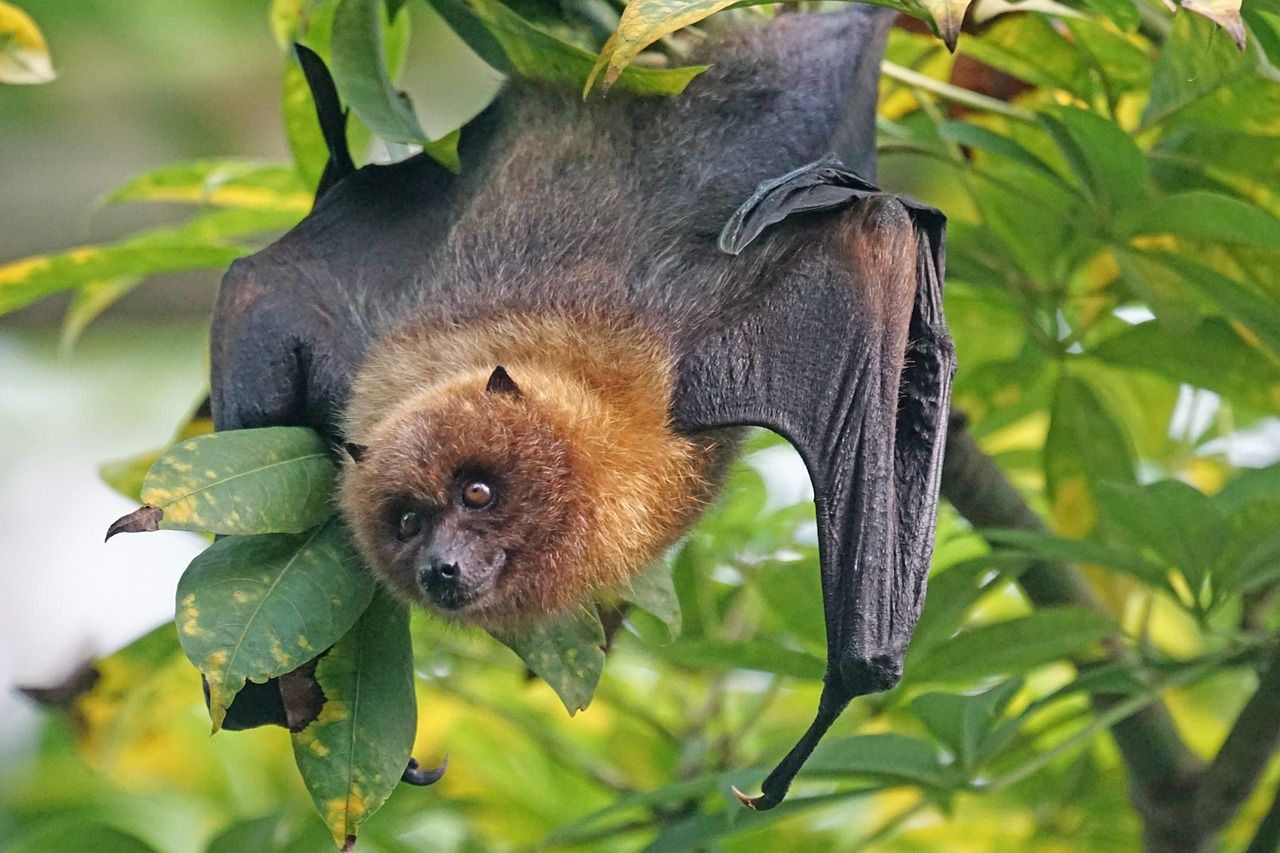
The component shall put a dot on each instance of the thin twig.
(955, 94)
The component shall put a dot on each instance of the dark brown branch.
(1244, 756)
(1162, 771)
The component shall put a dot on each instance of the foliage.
(1113, 185)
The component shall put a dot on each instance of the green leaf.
(24, 55)
(1253, 312)
(976, 136)
(1014, 646)
(952, 592)
(643, 22)
(199, 242)
(1058, 549)
(271, 480)
(567, 653)
(474, 34)
(360, 72)
(965, 723)
(1085, 445)
(88, 303)
(352, 756)
(793, 592)
(1106, 161)
(1122, 12)
(1169, 518)
(1224, 13)
(25, 281)
(1250, 558)
(654, 591)
(221, 183)
(760, 655)
(888, 757)
(1210, 355)
(538, 55)
(1207, 217)
(255, 607)
(1250, 486)
(69, 833)
(252, 834)
(1192, 65)
(301, 127)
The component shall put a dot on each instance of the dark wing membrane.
(332, 118)
(845, 353)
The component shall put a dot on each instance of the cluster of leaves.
(1111, 180)
(284, 591)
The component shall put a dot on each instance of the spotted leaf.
(567, 653)
(253, 607)
(353, 754)
(273, 480)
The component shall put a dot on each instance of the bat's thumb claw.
(761, 803)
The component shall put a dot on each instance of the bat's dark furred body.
(817, 311)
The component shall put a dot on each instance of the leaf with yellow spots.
(643, 22)
(222, 183)
(538, 55)
(254, 607)
(353, 755)
(202, 242)
(25, 281)
(567, 653)
(272, 480)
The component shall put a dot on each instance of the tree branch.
(1162, 771)
(1244, 755)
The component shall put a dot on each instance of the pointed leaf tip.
(948, 17)
(1224, 13)
(144, 519)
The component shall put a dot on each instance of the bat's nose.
(441, 579)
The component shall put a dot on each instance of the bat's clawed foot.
(762, 803)
(415, 775)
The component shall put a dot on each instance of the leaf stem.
(953, 93)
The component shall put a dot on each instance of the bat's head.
(499, 503)
(466, 501)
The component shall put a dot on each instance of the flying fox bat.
(540, 367)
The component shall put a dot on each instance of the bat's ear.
(500, 382)
(355, 451)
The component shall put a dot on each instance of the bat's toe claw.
(415, 775)
(761, 803)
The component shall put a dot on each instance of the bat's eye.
(477, 494)
(409, 526)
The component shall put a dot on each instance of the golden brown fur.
(596, 482)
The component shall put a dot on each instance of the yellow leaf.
(948, 15)
(644, 22)
(1224, 13)
(24, 56)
